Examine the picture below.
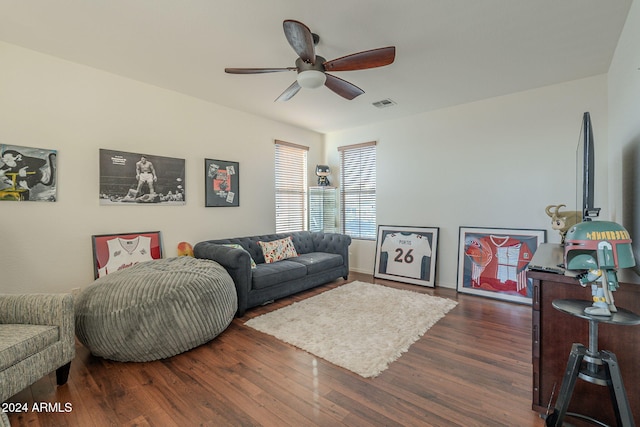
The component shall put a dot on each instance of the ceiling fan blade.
(289, 92)
(257, 70)
(363, 60)
(301, 40)
(342, 87)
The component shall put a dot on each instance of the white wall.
(494, 163)
(624, 128)
(49, 103)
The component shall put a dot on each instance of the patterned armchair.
(37, 336)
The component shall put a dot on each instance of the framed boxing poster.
(492, 262)
(407, 254)
(134, 178)
(221, 183)
(113, 252)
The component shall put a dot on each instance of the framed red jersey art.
(114, 252)
(493, 262)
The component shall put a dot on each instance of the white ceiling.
(448, 52)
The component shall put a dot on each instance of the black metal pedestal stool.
(593, 365)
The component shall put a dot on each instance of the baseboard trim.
(440, 285)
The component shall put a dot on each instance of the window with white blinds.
(291, 187)
(358, 190)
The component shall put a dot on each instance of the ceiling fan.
(312, 69)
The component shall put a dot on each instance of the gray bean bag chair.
(155, 309)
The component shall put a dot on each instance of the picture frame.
(28, 174)
(114, 252)
(134, 178)
(221, 183)
(492, 262)
(407, 254)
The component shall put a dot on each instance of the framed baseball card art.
(407, 254)
(222, 184)
(492, 262)
(114, 252)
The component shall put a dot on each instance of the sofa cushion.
(17, 342)
(277, 250)
(239, 246)
(303, 241)
(265, 275)
(319, 261)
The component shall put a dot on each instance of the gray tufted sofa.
(323, 257)
(36, 337)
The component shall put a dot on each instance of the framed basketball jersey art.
(115, 252)
(407, 254)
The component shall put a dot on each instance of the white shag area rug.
(359, 326)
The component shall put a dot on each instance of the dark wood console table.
(554, 333)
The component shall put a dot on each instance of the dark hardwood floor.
(472, 368)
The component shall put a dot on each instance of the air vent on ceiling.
(384, 103)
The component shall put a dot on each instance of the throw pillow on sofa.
(237, 246)
(277, 250)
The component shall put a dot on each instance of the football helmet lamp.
(598, 249)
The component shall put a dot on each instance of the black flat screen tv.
(585, 167)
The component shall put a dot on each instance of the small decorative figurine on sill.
(323, 171)
(562, 221)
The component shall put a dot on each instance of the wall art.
(27, 174)
(127, 178)
(221, 183)
(407, 254)
(114, 252)
(492, 262)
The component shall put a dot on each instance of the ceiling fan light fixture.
(311, 79)
(311, 68)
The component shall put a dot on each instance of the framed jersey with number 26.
(407, 254)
